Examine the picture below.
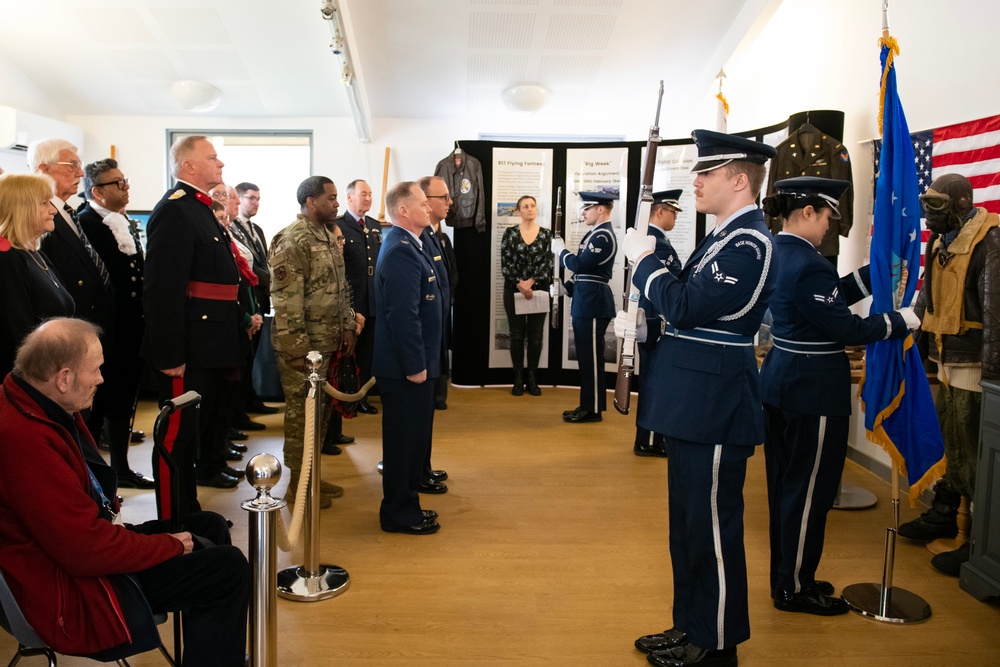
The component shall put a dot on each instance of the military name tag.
(431, 279)
(437, 258)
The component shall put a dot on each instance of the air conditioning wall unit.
(19, 128)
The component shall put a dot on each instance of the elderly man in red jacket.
(63, 547)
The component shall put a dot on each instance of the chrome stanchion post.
(885, 602)
(312, 580)
(263, 472)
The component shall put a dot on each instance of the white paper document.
(538, 303)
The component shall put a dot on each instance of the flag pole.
(883, 601)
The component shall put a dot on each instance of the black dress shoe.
(260, 409)
(219, 481)
(430, 486)
(567, 413)
(129, 479)
(441, 405)
(689, 654)
(583, 417)
(137, 436)
(244, 423)
(233, 434)
(809, 601)
(430, 515)
(230, 454)
(425, 527)
(438, 475)
(234, 472)
(331, 449)
(366, 408)
(343, 439)
(824, 587)
(950, 562)
(655, 449)
(662, 641)
(237, 446)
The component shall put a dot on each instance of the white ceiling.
(413, 58)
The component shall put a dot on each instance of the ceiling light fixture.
(196, 96)
(527, 98)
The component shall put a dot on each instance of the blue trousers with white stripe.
(588, 337)
(706, 541)
(804, 457)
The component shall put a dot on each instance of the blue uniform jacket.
(810, 305)
(665, 252)
(705, 392)
(592, 266)
(408, 315)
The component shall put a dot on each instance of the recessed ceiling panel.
(568, 70)
(142, 64)
(208, 64)
(580, 31)
(521, 3)
(496, 69)
(483, 100)
(588, 3)
(114, 25)
(191, 25)
(494, 30)
(241, 100)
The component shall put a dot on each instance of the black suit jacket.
(258, 248)
(361, 248)
(186, 243)
(78, 273)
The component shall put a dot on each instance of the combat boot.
(531, 384)
(939, 520)
(518, 388)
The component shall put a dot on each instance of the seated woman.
(526, 263)
(30, 290)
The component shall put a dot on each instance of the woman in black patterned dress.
(526, 262)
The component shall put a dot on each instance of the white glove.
(910, 317)
(558, 245)
(623, 324)
(637, 244)
(557, 290)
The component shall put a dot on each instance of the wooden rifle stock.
(626, 363)
(557, 230)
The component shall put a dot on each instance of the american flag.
(971, 149)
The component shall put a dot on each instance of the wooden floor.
(553, 550)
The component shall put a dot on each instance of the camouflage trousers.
(958, 413)
(296, 386)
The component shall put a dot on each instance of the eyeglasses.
(122, 184)
(445, 197)
(339, 239)
(251, 197)
(75, 164)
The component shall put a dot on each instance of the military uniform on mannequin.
(592, 304)
(813, 148)
(963, 331)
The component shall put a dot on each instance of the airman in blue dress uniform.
(806, 387)
(702, 395)
(662, 218)
(593, 305)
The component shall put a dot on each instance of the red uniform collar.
(203, 198)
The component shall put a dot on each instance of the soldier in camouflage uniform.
(312, 310)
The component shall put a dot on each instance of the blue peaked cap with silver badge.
(593, 198)
(668, 197)
(829, 190)
(716, 149)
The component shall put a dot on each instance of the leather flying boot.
(518, 388)
(950, 562)
(939, 520)
(531, 384)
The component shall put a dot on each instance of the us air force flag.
(899, 412)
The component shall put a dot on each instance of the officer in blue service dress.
(662, 218)
(593, 304)
(702, 395)
(407, 359)
(805, 384)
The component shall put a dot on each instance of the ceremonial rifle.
(557, 230)
(626, 364)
